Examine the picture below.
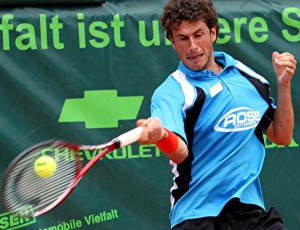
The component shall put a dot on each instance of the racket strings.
(24, 187)
(30, 179)
(35, 190)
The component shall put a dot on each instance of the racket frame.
(121, 141)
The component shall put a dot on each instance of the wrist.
(169, 143)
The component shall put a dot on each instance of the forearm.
(281, 129)
(283, 123)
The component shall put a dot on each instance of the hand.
(153, 131)
(284, 66)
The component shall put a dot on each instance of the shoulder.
(258, 81)
(245, 70)
(168, 91)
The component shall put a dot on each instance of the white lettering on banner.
(90, 219)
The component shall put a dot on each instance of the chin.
(196, 67)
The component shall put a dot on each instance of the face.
(193, 42)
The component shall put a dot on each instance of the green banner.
(37, 3)
(86, 73)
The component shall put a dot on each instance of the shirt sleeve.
(167, 104)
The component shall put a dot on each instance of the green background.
(36, 77)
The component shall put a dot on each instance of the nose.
(193, 45)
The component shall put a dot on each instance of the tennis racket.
(44, 175)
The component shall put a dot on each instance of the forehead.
(187, 27)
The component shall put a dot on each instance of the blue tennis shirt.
(222, 118)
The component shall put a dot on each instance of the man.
(209, 117)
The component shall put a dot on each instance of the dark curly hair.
(176, 11)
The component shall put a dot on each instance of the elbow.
(283, 140)
(281, 136)
(179, 157)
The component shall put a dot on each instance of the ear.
(213, 34)
(173, 44)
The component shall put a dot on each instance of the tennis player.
(209, 117)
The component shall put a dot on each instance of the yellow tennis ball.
(45, 166)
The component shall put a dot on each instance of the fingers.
(149, 122)
(284, 66)
(274, 55)
(152, 132)
(284, 59)
(141, 122)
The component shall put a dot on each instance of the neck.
(217, 68)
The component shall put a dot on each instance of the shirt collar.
(224, 59)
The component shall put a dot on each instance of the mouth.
(194, 57)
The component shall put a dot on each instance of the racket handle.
(130, 137)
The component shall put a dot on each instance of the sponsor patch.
(238, 119)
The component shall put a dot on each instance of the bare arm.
(280, 130)
(154, 132)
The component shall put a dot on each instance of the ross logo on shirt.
(238, 119)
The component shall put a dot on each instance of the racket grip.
(130, 137)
